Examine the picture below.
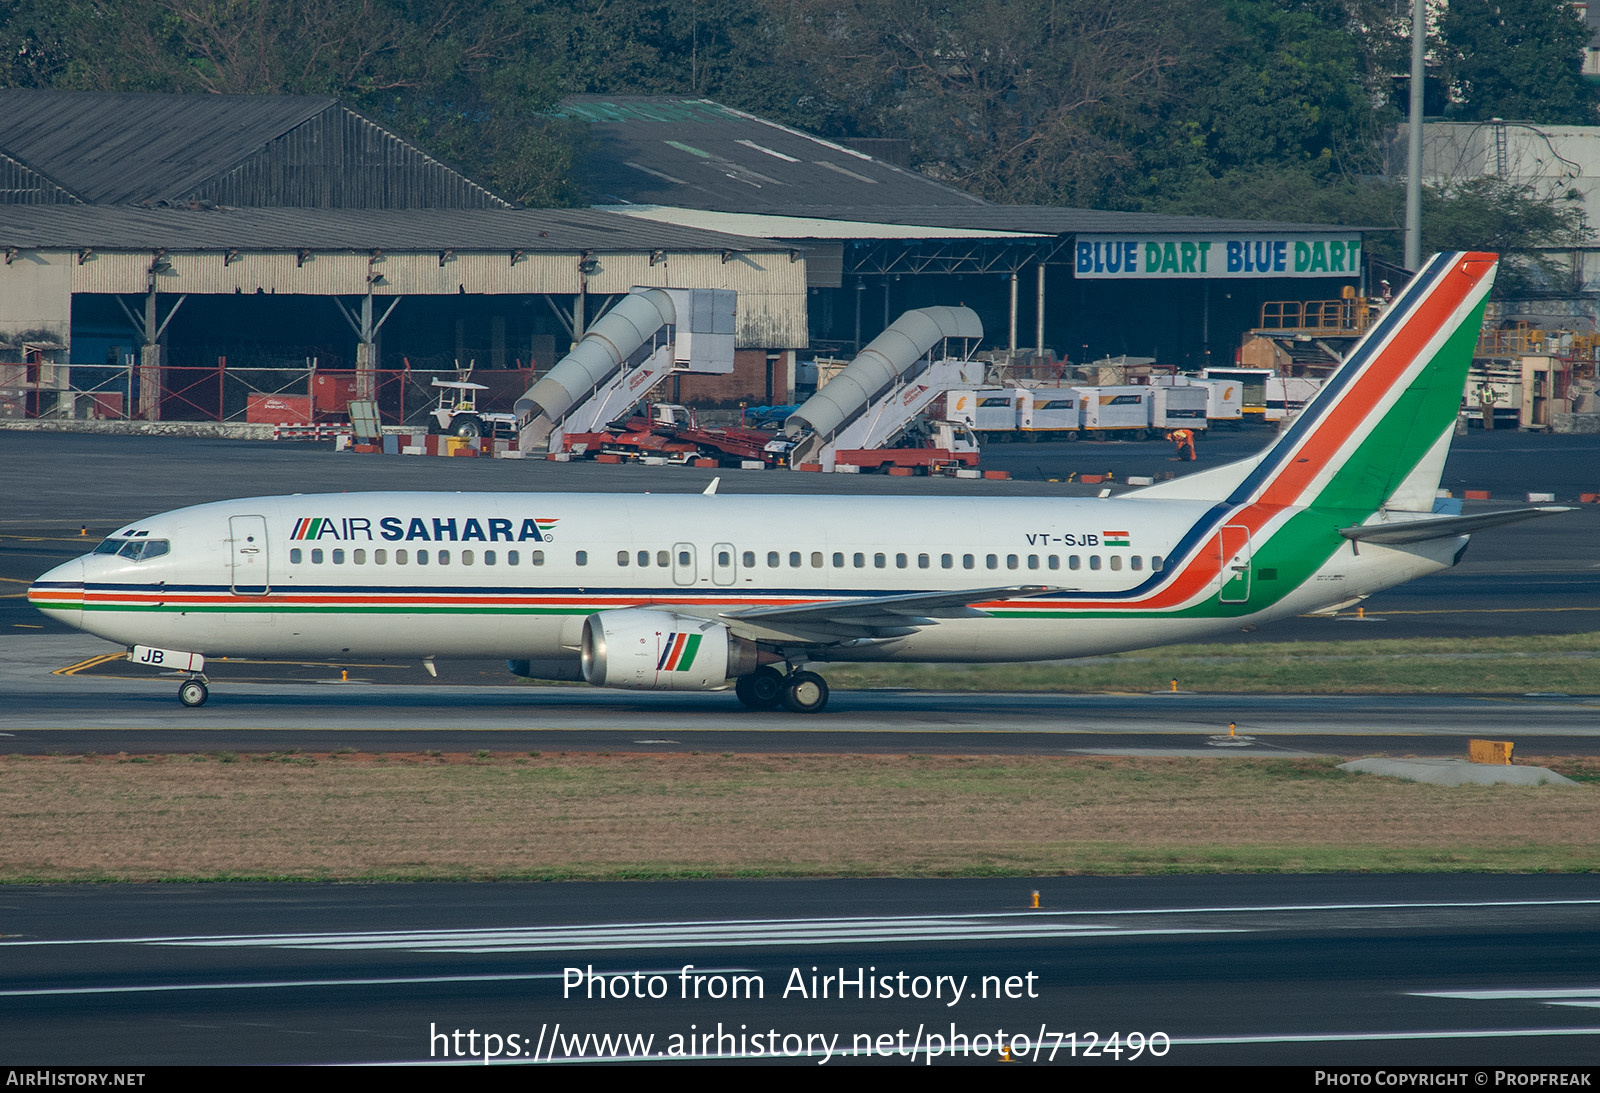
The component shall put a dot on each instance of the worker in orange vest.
(1183, 440)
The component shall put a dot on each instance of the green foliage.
(1266, 108)
(471, 83)
(1266, 84)
(1519, 59)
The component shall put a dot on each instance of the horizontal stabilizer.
(1420, 531)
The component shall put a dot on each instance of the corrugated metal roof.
(119, 147)
(1052, 220)
(658, 150)
(768, 226)
(45, 227)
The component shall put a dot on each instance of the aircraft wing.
(873, 616)
(1445, 527)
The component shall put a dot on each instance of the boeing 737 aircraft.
(693, 592)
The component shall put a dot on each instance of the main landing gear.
(767, 688)
(193, 692)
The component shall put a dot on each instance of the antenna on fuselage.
(711, 490)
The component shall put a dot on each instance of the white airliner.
(664, 592)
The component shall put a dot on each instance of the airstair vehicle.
(650, 334)
(879, 396)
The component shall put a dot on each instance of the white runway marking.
(808, 931)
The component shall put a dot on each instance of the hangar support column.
(151, 380)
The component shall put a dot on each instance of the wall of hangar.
(37, 287)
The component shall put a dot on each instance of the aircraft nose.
(59, 593)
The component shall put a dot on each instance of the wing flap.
(873, 616)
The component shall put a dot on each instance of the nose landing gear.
(193, 692)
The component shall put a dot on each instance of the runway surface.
(45, 712)
(1471, 971)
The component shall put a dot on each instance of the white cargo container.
(1178, 407)
(1116, 410)
(1050, 413)
(1288, 395)
(1224, 398)
(991, 412)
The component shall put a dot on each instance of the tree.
(1519, 59)
(468, 81)
(1014, 100)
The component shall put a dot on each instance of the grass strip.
(1513, 665)
(356, 816)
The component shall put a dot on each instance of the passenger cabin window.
(859, 560)
(338, 557)
(644, 558)
(295, 555)
(488, 557)
(772, 559)
(794, 559)
(663, 558)
(1156, 563)
(536, 558)
(400, 557)
(947, 561)
(816, 559)
(991, 561)
(900, 561)
(968, 561)
(879, 561)
(838, 559)
(1094, 561)
(582, 557)
(749, 559)
(622, 558)
(466, 557)
(316, 557)
(381, 557)
(1116, 561)
(422, 557)
(444, 557)
(360, 556)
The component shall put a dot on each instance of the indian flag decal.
(1114, 538)
(677, 652)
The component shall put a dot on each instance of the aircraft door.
(1235, 564)
(724, 564)
(685, 568)
(247, 543)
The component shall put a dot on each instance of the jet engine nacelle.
(648, 650)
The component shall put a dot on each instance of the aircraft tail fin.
(1377, 433)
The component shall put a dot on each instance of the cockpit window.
(110, 546)
(141, 550)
